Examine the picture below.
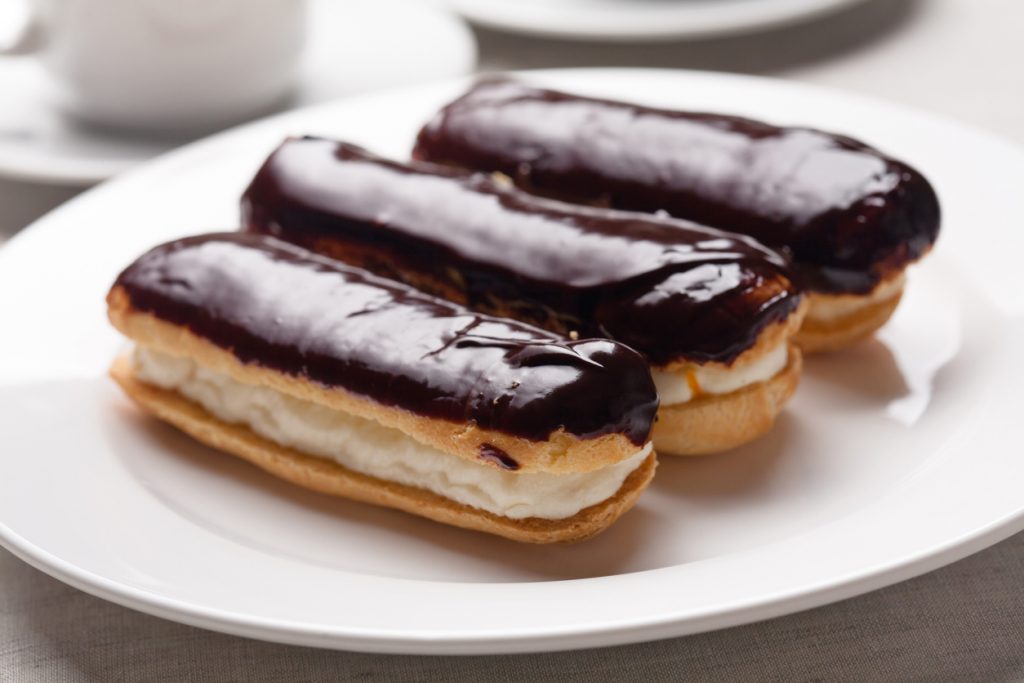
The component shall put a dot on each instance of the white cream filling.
(677, 387)
(370, 448)
(829, 307)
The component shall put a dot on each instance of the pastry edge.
(819, 336)
(719, 422)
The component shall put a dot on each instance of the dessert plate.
(352, 46)
(896, 457)
(639, 20)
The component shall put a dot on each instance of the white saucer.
(354, 46)
(639, 20)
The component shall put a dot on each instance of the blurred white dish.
(639, 20)
(159, 66)
(895, 457)
(353, 46)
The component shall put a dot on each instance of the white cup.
(166, 66)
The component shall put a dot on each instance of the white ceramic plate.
(353, 46)
(639, 20)
(896, 457)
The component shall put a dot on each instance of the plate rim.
(777, 15)
(388, 642)
(898, 569)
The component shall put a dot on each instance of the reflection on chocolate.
(671, 289)
(849, 215)
(282, 307)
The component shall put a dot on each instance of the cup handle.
(26, 39)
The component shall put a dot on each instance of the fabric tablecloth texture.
(964, 622)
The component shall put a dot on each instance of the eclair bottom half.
(712, 407)
(836, 321)
(711, 423)
(532, 507)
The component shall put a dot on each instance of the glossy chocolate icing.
(668, 288)
(282, 307)
(492, 453)
(849, 215)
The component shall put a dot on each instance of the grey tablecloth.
(965, 622)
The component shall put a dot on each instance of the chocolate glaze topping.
(282, 307)
(849, 214)
(492, 453)
(671, 289)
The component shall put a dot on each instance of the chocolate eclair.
(712, 312)
(851, 217)
(350, 384)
